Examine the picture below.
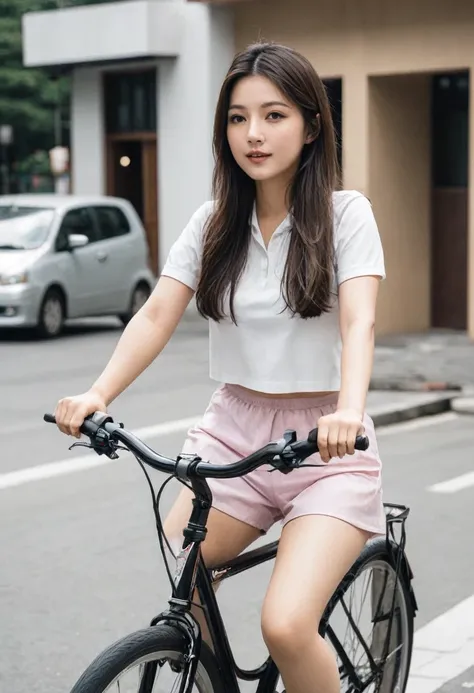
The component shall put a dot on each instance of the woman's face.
(265, 131)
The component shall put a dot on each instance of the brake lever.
(102, 445)
(80, 445)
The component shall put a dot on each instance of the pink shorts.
(237, 423)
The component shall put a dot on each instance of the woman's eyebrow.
(267, 104)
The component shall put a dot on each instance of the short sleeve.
(184, 259)
(358, 248)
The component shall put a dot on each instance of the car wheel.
(52, 315)
(140, 295)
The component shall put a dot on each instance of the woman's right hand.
(71, 411)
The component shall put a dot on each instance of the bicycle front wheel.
(148, 661)
(369, 624)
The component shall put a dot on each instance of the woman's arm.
(144, 338)
(357, 302)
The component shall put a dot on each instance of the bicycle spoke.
(369, 622)
(167, 678)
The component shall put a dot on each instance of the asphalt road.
(80, 564)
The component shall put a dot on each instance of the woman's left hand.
(337, 433)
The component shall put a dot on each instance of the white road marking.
(89, 461)
(443, 649)
(21, 428)
(458, 483)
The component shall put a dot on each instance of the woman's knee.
(288, 629)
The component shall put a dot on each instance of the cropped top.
(270, 349)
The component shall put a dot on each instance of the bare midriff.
(287, 395)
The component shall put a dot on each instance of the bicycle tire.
(131, 650)
(373, 553)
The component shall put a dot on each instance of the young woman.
(286, 267)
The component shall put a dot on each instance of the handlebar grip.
(361, 442)
(90, 425)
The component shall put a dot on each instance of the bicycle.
(174, 636)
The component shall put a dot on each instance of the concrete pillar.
(355, 131)
(87, 133)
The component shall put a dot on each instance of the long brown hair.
(307, 279)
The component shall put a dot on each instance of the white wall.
(188, 89)
(87, 133)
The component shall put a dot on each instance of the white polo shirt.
(269, 349)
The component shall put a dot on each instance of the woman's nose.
(254, 134)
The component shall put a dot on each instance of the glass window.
(24, 228)
(79, 221)
(12, 211)
(130, 102)
(112, 222)
(62, 244)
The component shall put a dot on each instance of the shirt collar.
(284, 227)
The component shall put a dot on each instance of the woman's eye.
(235, 119)
(275, 116)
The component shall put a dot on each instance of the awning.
(137, 29)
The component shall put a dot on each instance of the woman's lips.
(258, 158)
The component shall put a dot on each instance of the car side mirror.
(77, 240)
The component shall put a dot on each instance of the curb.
(385, 416)
(414, 384)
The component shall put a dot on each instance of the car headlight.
(10, 279)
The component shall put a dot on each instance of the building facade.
(399, 78)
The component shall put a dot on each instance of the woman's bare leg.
(315, 553)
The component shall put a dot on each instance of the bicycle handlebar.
(284, 454)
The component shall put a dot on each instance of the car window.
(78, 221)
(62, 243)
(112, 221)
(24, 229)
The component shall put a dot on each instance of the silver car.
(68, 257)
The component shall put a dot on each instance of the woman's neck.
(271, 199)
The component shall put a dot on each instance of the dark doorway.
(127, 163)
(334, 92)
(131, 127)
(449, 226)
(132, 174)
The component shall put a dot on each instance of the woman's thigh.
(314, 554)
(226, 536)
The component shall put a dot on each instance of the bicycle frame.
(196, 574)
(191, 574)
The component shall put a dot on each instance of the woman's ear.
(314, 129)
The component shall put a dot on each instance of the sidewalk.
(386, 407)
(419, 374)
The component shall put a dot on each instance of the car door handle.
(102, 257)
